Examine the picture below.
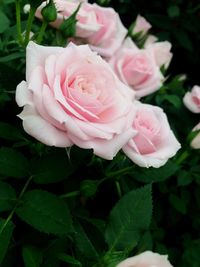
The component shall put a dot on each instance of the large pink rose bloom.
(146, 259)
(71, 96)
(137, 68)
(154, 142)
(192, 99)
(97, 26)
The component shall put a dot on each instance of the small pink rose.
(146, 259)
(192, 99)
(196, 140)
(154, 142)
(141, 25)
(100, 27)
(72, 96)
(109, 38)
(162, 52)
(137, 68)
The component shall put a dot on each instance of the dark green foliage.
(7, 196)
(46, 212)
(130, 217)
(6, 229)
(32, 257)
(13, 163)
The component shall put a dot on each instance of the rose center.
(196, 100)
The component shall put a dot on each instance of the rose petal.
(43, 131)
(36, 55)
(106, 149)
(23, 95)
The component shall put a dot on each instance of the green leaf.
(129, 219)
(163, 21)
(112, 259)
(51, 168)
(13, 163)
(12, 56)
(146, 242)
(45, 212)
(83, 243)
(32, 256)
(173, 11)
(7, 196)
(178, 203)
(9, 132)
(68, 259)
(184, 178)
(5, 236)
(174, 100)
(156, 175)
(4, 22)
(191, 254)
(183, 39)
(88, 188)
(54, 247)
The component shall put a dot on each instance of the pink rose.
(146, 259)
(141, 25)
(154, 142)
(192, 99)
(161, 51)
(87, 23)
(137, 68)
(196, 140)
(111, 34)
(97, 26)
(71, 96)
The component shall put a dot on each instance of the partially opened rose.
(161, 51)
(146, 259)
(192, 99)
(141, 25)
(97, 26)
(71, 96)
(196, 140)
(137, 68)
(154, 142)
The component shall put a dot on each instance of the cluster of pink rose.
(192, 102)
(88, 94)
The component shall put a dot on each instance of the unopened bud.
(88, 188)
(49, 12)
(27, 8)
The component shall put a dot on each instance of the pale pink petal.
(37, 54)
(106, 149)
(62, 100)
(43, 131)
(189, 103)
(196, 140)
(161, 51)
(23, 95)
(146, 259)
(141, 25)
